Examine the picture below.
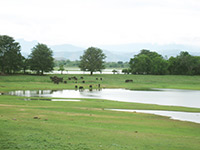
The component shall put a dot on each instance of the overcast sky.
(102, 22)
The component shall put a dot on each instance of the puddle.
(176, 115)
(33, 99)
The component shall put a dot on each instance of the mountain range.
(114, 53)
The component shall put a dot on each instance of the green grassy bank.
(140, 82)
(87, 125)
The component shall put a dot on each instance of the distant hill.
(75, 55)
(167, 49)
(122, 52)
(68, 51)
(156, 47)
(64, 50)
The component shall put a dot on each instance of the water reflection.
(65, 100)
(105, 71)
(187, 98)
(177, 115)
(54, 100)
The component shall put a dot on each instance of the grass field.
(87, 125)
(140, 82)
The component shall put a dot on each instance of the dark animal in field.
(83, 81)
(99, 85)
(81, 88)
(90, 86)
(56, 82)
(81, 77)
(101, 79)
(76, 86)
(65, 81)
(56, 79)
(75, 78)
(72, 78)
(36, 117)
(127, 81)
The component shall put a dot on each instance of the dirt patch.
(85, 114)
(86, 108)
(7, 105)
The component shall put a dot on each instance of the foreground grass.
(140, 82)
(86, 125)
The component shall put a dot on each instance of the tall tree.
(41, 59)
(25, 64)
(183, 64)
(147, 62)
(140, 64)
(10, 56)
(159, 66)
(61, 68)
(197, 65)
(92, 60)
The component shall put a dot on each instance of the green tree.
(126, 71)
(10, 55)
(140, 64)
(197, 65)
(120, 64)
(61, 68)
(172, 68)
(186, 63)
(92, 60)
(183, 64)
(114, 71)
(41, 59)
(147, 62)
(25, 64)
(159, 66)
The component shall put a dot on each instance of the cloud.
(97, 22)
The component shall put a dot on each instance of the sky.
(102, 22)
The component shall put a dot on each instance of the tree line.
(11, 61)
(41, 60)
(147, 62)
(75, 63)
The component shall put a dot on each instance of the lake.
(176, 115)
(171, 97)
(104, 71)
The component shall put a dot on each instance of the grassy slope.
(86, 125)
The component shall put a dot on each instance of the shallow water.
(54, 100)
(186, 98)
(65, 100)
(176, 115)
(105, 71)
